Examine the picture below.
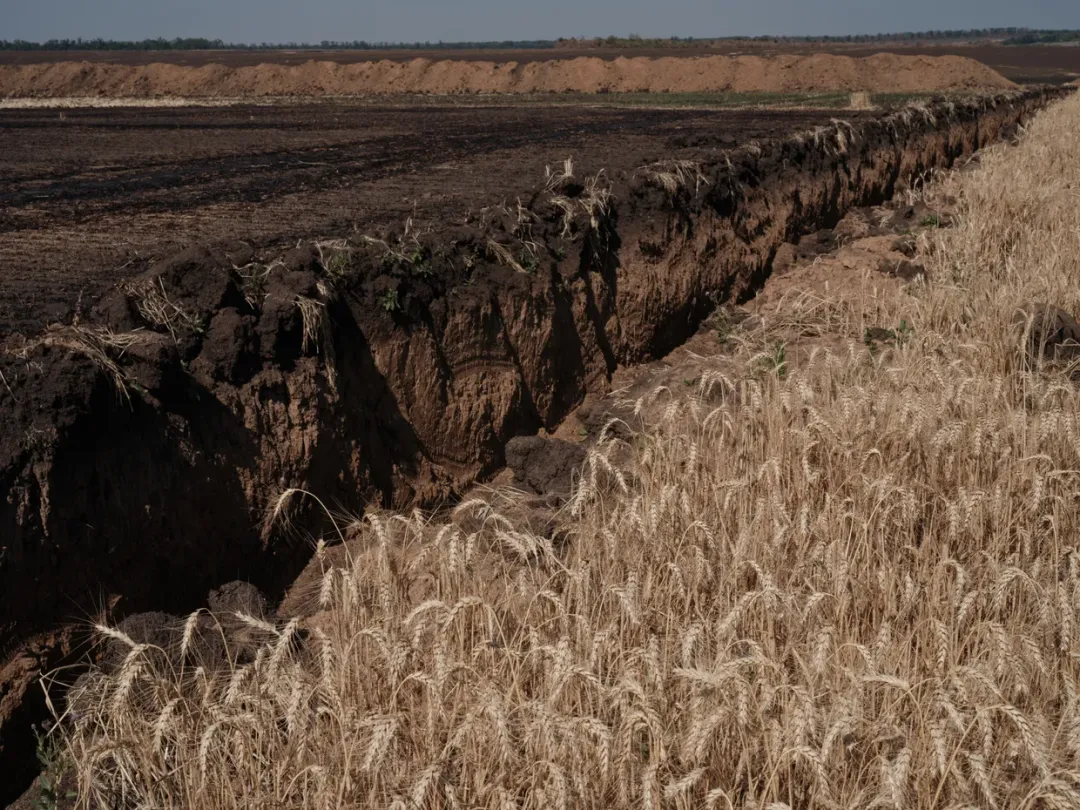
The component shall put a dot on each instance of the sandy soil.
(1022, 64)
(883, 73)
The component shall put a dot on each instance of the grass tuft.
(674, 176)
(155, 307)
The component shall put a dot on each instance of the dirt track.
(91, 196)
(1022, 64)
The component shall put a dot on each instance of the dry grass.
(860, 100)
(674, 175)
(312, 314)
(503, 256)
(595, 200)
(334, 256)
(317, 331)
(853, 584)
(556, 180)
(154, 305)
(254, 279)
(101, 346)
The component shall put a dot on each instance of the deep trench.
(422, 362)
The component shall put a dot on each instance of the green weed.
(50, 757)
(775, 362)
(336, 264)
(528, 261)
(420, 261)
(389, 301)
(723, 330)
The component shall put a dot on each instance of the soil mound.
(886, 73)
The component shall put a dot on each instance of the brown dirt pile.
(887, 73)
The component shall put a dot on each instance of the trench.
(154, 451)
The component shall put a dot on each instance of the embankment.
(142, 448)
(882, 73)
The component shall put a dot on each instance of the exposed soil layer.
(883, 73)
(1022, 64)
(149, 451)
(93, 196)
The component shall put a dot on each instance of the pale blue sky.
(455, 20)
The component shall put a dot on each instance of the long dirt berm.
(883, 73)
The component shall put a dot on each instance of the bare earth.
(92, 196)
(882, 73)
(1022, 64)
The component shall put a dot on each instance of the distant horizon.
(414, 21)
(220, 43)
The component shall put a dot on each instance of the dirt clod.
(238, 597)
(1051, 331)
(544, 465)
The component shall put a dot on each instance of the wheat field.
(850, 581)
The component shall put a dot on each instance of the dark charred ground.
(1024, 64)
(91, 196)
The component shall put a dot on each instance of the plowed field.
(92, 196)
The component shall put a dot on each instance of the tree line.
(1008, 36)
(1011, 35)
(203, 44)
(1043, 37)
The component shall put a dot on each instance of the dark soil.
(1024, 64)
(542, 465)
(93, 196)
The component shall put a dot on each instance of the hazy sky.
(456, 20)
